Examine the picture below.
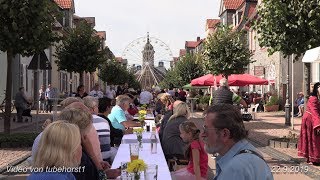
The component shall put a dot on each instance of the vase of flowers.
(136, 167)
(142, 116)
(139, 132)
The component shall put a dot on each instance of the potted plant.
(272, 104)
(204, 101)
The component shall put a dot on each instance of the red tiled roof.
(232, 4)
(182, 52)
(211, 23)
(119, 59)
(102, 34)
(64, 4)
(191, 44)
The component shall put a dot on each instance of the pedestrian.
(198, 159)
(96, 92)
(49, 96)
(309, 140)
(42, 98)
(224, 95)
(81, 92)
(224, 133)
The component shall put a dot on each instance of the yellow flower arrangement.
(138, 130)
(142, 112)
(136, 166)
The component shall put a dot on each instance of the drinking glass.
(124, 174)
(134, 151)
(151, 172)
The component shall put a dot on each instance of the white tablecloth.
(132, 138)
(123, 155)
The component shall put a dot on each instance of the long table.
(123, 155)
(132, 138)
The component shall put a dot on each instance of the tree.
(113, 72)
(187, 68)
(289, 26)
(226, 52)
(171, 79)
(26, 29)
(80, 50)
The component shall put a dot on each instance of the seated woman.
(172, 144)
(59, 147)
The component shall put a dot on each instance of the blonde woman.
(171, 133)
(59, 148)
(95, 168)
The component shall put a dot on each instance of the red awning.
(233, 80)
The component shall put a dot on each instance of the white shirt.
(145, 97)
(96, 94)
(110, 94)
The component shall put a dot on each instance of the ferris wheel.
(133, 52)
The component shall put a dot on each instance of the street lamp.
(287, 105)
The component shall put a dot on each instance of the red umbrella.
(206, 80)
(233, 80)
(245, 79)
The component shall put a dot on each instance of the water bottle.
(153, 143)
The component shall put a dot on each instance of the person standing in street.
(49, 95)
(224, 133)
(81, 93)
(96, 92)
(309, 139)
(224, 95)
(42, 99)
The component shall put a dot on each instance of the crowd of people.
(91, 126)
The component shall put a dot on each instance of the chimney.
(198, 39)
(160, 64)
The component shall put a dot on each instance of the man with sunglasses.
(224, 133)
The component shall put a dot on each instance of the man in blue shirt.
(118, 116)
(224, 133)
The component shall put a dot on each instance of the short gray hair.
(121, 99)
(90, 101)
(223, 82)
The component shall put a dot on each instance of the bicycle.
(3, 104)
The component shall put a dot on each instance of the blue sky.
(172, 21)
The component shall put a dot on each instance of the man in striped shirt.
(103, 129)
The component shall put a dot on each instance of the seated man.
(102, 127)
(299, 104)
(104, 111)
(118, 117)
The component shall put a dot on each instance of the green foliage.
(16, 140)
(25, 28)
(80, 50)
(205, 100)
(289, 26)
(26, 25)
(187, 68)
(274, 100)
(226, 52)
(171, 79)
(113, 72)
